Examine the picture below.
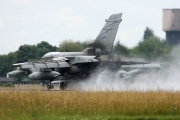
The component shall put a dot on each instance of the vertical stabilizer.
(106, 37)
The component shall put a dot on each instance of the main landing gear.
(62, 85)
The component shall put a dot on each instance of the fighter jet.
(72, 65)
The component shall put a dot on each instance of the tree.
(43, 48)
(153, 48)
(26, 52)
(3, 65)
(120, 49)
(148, 33)
(70, 46)
(6, 62)
(44, 44)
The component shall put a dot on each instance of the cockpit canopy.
(51, 55)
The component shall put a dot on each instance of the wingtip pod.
(15, 72)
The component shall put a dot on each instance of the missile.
(19, 71)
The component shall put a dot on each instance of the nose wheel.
(50, 87)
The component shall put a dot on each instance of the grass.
(68, 105)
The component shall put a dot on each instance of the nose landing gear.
(50, 86)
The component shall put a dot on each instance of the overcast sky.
(33, 21)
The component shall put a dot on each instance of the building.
(171, 25)
(5, 80)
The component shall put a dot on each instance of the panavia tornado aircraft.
(72, 65)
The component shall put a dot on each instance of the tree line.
(151, 47)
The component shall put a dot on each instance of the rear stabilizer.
(105, 39)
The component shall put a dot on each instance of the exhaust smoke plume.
(167, 78)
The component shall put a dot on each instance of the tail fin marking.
(107, 35)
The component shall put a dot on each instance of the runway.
(35, 88)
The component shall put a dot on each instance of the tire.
(62, 85)
(50, 87)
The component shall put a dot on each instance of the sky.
(33, 21)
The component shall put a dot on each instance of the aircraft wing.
(150, 65)
(60, 62)
(53, 63)
(139, 70)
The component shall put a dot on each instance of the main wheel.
(62, 86)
